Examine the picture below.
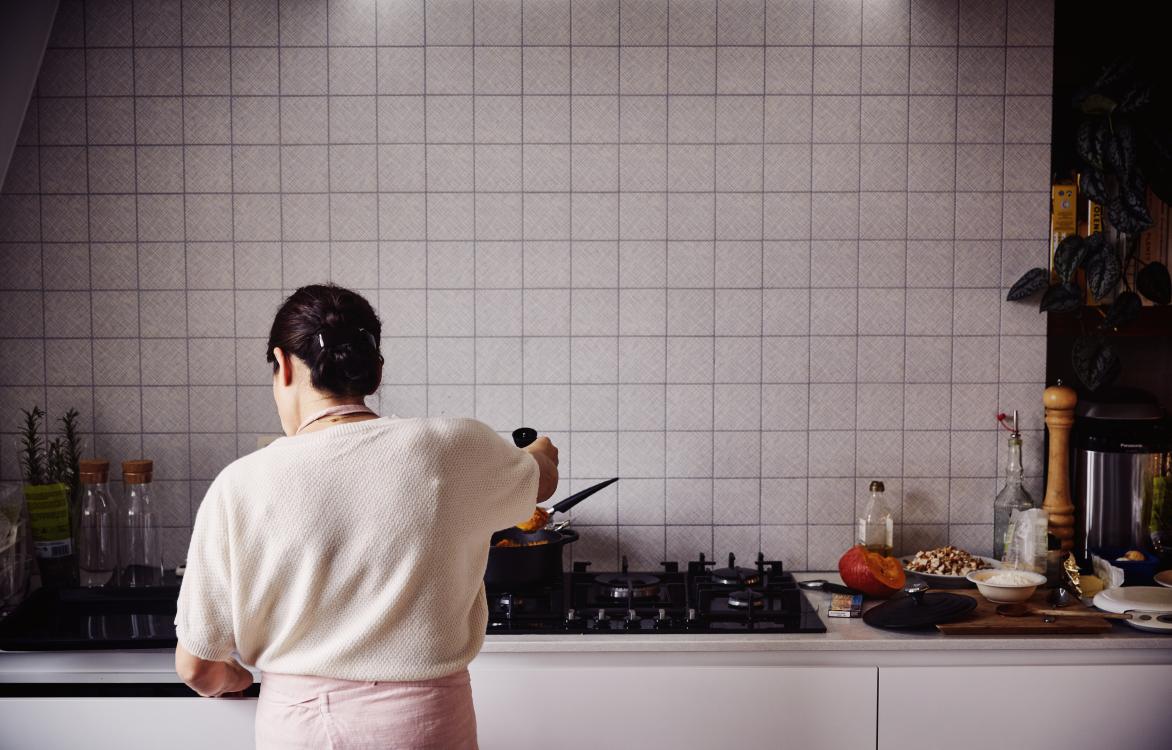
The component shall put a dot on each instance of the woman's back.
(354, 552)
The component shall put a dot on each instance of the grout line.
(666, 253)
(809, 295)
(475, 220)
(426, 240)
(232, 219)
(137, 239)
(761, 297)
(89, 252)
(186, 292)
(378, 255)
(903, 429)
(715, 234)
(858, 283)
(329, 138)
(952, 297)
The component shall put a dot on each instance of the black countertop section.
(69, 619)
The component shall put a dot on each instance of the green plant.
(1124, 144)
(32, 449)
(45, 461)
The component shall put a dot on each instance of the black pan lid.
(919, 610)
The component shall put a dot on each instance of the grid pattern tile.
(746, 254)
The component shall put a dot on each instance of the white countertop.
(846, 642)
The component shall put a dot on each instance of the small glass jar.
(97, 538)
(140, 544)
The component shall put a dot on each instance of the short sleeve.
(496, 481)
(203, 620)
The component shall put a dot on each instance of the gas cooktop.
(699, 598)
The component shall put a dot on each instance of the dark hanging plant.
(1095, 361)
(1124, 145)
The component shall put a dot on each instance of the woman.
(345, 561)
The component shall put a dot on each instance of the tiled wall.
(747, 255)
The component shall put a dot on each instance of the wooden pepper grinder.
(1059, 401)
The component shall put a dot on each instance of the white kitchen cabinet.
(678, 707)
(978, 708)
(127, 723)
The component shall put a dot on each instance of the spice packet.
(845, 605)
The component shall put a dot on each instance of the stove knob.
(661, 619)
(633, 622)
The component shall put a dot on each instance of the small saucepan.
(538, 556)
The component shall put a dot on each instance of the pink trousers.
(297, 711)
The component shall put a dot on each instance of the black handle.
(828, 587)
(523, 436)
(564, 505)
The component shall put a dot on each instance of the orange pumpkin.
(871, 573)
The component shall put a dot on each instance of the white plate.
(1164, 578)
(943, 580)
(1146, 598)
(1123, 598)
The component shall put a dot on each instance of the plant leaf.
(1068, 256)
(1124, 309)
(1030, 283)
(1093, 186)
(1061, 298)
(1118, 150)
(1103, 269)
(1087, 142)
(1095, 362)
(1127, 208)
(1153, 282)
(1136, 96)
(1097, 104)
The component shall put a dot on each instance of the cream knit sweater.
(355, 552)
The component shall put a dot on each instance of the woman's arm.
(546, 455)
(210, 678)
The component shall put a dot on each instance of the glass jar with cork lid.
(141, 528)
(97, 532)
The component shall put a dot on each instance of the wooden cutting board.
(984, 620)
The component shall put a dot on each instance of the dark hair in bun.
(336, 333)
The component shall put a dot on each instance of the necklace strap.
(331, 411)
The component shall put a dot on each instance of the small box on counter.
(845, 605)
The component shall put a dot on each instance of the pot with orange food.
(531, 552)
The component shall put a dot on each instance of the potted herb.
(1124, 148)
(50, 493)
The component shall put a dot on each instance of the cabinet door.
(122, 723)
(684, 708)
(979, 708)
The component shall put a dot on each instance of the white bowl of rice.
(1006, 586)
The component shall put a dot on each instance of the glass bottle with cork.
(1013, 496)
(97, 542)
(140, 545)
(875, 528)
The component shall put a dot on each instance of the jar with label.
(140, 544)
(875, 528)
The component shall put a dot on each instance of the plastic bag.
(1027, 540)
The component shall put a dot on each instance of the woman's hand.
(210, 679)
(546, 455)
